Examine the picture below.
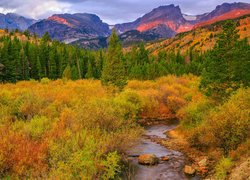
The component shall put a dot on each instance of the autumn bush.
(80, 129)
(223, 167)
(65, 129)
(225, 127)
(163, 97)
(193, 114)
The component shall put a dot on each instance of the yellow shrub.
(227, 126)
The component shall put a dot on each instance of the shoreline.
(175, 141)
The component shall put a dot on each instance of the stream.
(168, 170)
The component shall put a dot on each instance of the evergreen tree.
(114, 71)
(220, 77)
(74, 73)
(179, 58)
(67, 73)
(90, 72)
(143, 56)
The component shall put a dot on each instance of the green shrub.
(129, 104)
(230, 124)
(194, 113)
(225, 127)
(45, 80)
(222, 168)
(111, 166)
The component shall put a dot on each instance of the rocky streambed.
(151, 161)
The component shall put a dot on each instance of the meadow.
(78, 129)
(81, 129)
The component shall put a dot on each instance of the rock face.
(148, 159)
(71, 27)
(164, 21)
(13, 21)
(189, 170)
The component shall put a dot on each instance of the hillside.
(201, 39)
(24, 37)
(128, 38)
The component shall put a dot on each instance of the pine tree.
(114, 72)
(142, 55)
(46, 37)
(67, 73)
(218, 78)
(99, 64)
(74, 73)
(179, 58)
(90, 72)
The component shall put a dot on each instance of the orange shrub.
(163, 97)
(23, 156)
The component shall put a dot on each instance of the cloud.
(34, 8)
(111, 11)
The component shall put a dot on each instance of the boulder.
(148, 159)
(189, 170)
(203, 162)
(165, 158)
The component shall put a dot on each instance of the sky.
(110, 11)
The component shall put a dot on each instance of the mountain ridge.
(64, 27)
(12, 21)
(162, 22)
(172, 17)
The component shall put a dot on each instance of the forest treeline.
(39, 58)
(25, 60)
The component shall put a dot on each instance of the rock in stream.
(155, 161)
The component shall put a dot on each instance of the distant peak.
(235, 4)
(170, 6)
(167, 8)
(13, 15)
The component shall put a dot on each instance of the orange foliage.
(165, 96)
(22, 155)
(63, 128)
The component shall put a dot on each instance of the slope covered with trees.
(200, 39)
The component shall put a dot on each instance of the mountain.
(166, 21)
(128, 38)
(225, 8)
(13, 21)
(89, 31)
(200, 39)
(71, 27)
(223, 12)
